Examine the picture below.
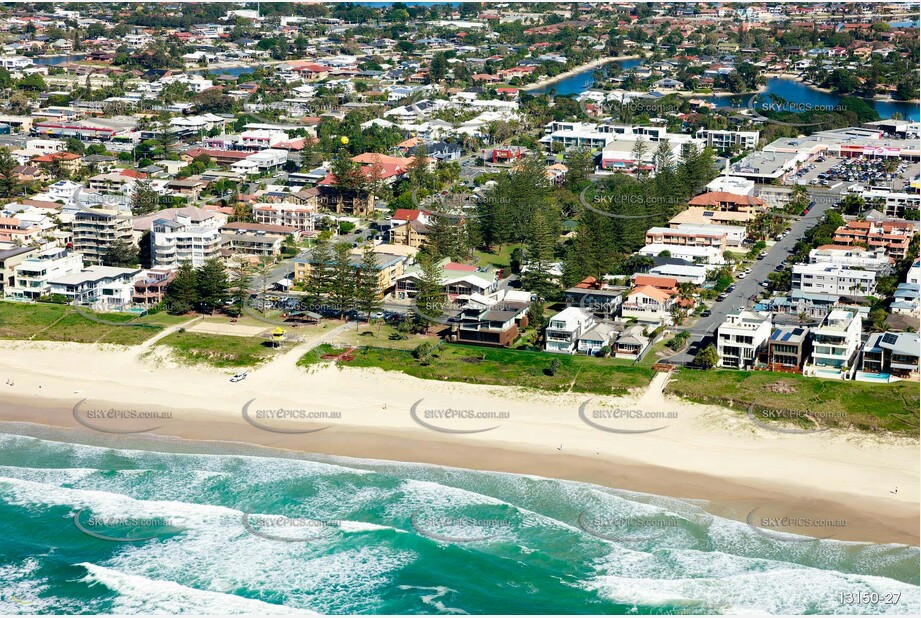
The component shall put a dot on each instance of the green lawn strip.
(481, 365)
(52, 322)
(503, 259)
(218, 350)
(866, 406)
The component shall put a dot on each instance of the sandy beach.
(689, 451)
(588, 66)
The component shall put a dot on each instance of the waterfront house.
(565, 328)
(741, 337)
(835, 344)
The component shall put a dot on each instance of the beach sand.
(693, 451)
(594, 64)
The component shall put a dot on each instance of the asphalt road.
(704, 329)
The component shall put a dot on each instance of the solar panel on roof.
(890, 338)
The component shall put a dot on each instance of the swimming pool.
(863, 376)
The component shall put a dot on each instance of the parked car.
(706, 314)
(743, 274)
(238, 377)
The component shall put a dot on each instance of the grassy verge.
(218, 350)
(50, 322)
(503, 259)
(480, 365)
(381, 335)
(866, 406)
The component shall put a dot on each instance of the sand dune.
(689, 451)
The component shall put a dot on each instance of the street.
(705, 328)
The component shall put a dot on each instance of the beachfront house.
(565, 328)
(835, 344)
(740, 339)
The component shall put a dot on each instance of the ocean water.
(131, 528)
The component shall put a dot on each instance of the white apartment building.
(262, 161)
(104, 288)
(727, 140)
(740, 338)
(833, 279)
(299, 216)
(31, 277)
(262, 138)
(565, 329)
(850, 257)
(696, 236)
(191, 235)
(835, 344)
(694, 254)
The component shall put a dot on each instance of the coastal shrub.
(707, 358)
(552, 369)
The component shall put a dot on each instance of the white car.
(742, 275)
(238, 377)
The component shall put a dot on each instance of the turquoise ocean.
(156, 526)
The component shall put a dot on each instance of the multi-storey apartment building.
(185, 235)
(892, 236)
(740, 339)
(301, 217)
(833, 279)
(95, 231)
(727, 140)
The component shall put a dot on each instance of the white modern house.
(565, 329)
(824, 278)
(31, 277)
(104, 288)
(740, 338)
(835, 344)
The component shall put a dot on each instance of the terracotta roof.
(715, 198)
(651, 292)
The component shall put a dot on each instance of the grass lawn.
(378, 335)
(219, 350)
(890, 407)
(482, 365)
(503, 259)
(51, 322)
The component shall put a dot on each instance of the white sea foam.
(142, 595)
